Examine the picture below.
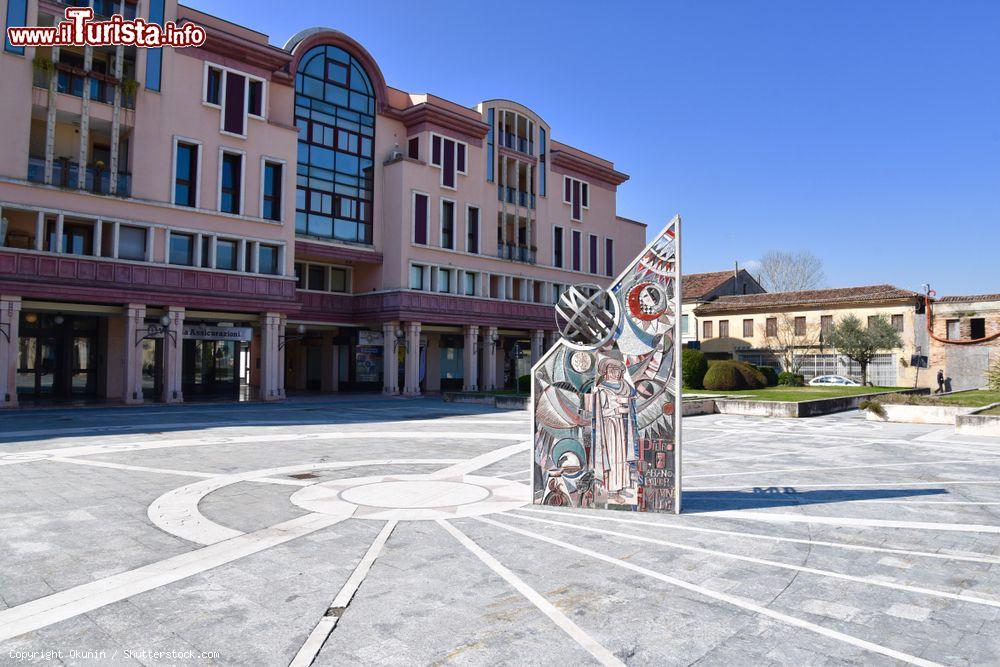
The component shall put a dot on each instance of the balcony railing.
(514, 196)
(516, 253)
(66, 173)
(71, 81)
(519, 144)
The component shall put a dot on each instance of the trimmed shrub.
(731, 375)
(873, 407)
(770, 375)
(722, 376)
(693, 368)
(791, 379)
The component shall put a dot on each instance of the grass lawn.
(993, 412)
(971, 399)
(794, 394)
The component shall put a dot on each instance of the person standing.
(940, 381)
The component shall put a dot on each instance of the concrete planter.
(979, 424)
(816, 408)
(697, 406)
(921, 414)
(503, 401)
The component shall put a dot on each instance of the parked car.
(833, 380)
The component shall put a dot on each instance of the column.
(116, 115)
(135, 317)
(40, 231)
(489, 359)
(50, 120)
(173, 349)
(470, 371)
(272, 355)
(551, 338)
(82, 158)
(10, 318)
(98, 237)
(411, 381)
(60, 219)
(537, 345)
(390, 359)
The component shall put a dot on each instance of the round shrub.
(723, 376)
(752, 378)
(791, 379)
(770, 375)
(693, 368)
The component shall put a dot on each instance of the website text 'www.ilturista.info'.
(80, 29)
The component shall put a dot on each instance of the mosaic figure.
(606, 396)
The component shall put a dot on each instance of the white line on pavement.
(88, 597)
(483, 460)
(314, 642)
(941, 555)
(722, 597)
(592, 646)
(772, 563)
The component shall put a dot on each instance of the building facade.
(241, 219)
(966, 339)
(783, 329)
(701, 288)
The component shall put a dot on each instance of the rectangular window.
(897, 323)
(491, 121)
(609, 257)
(267, 260)
(577, 239)
(871, 319)
(232, 180)
(748, 328)
(186, 176)
(952, 330)
(420, 218)
(450, 156)
(723, 328)
(685, 324)
(436, 150)
(825, 322)
(470, 284)
(977, 327)
(132, 243)
(800, 326)
(181, 249)
(444, 280)
(17, 16)
(154, 57)
(206, 252)
(771, 327)
(460, 158)
(577, 195)
(592, 242)
(472, 229)
(706, 329)
(255, 98)
(234, 114)
(316, 277)
(271, 209)
(416, 276)
(448, 166)
(557, 247)
(213, 86)
(225, 255)
(338, 280)
(413, 148)
(541, 162)
(448, 224)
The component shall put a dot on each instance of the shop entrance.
(210, 369)
(57, 356)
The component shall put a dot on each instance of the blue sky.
(865, 132)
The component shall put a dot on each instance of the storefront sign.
(211, 332)
(369, 337)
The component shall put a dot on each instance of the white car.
(833, 381)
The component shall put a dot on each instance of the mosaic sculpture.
(606, 396)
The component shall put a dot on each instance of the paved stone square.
(387, 531)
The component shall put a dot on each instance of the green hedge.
(733, 375)
(791, 379)
(693, 368)
(770, 375)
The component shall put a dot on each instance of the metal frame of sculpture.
(606, 397)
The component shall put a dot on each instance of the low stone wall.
(921, 414)
(979, 424)
(816, 408)
(502, 401)
(691, 407)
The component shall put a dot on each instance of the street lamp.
(399, 339)
(152, 331)
(494, 337)
(300, 335)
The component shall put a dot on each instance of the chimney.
(736, 278)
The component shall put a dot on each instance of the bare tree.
(787, 342)
(783, 271)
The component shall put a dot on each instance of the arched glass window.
(335, 115)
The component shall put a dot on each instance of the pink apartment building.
(239, 219)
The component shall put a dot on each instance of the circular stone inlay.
(415, 495)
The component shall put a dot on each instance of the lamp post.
(152, 331)
(300, 334)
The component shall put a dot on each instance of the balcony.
(513, 196)
(516, 253)
(71, 80)
(66, 173)
(516, 143)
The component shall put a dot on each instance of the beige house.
(966, 338)
(700, 288)
(785, 330)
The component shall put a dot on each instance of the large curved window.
(335, 114)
